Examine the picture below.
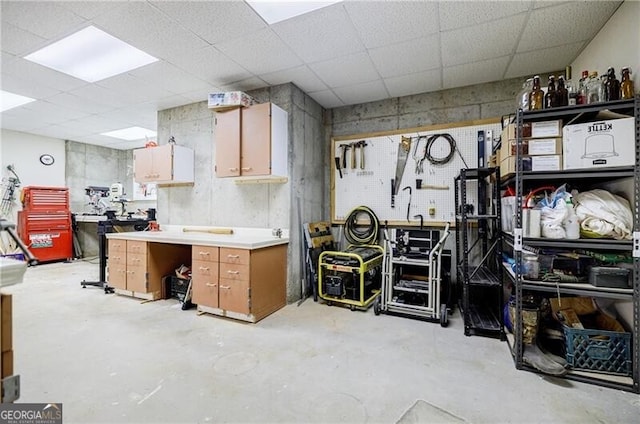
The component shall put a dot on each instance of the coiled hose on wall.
(361, 234)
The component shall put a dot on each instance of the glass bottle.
(562, 93)
(582, 88)
(626, 86)
(612, 86)
(594, 88)
(523, 96)
(572, 88)
(550, 96)
(536, 96)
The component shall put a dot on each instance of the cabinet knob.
(247, 169)
(210, 285)
(204, 268)
(204, 253)
(233, 272)
(225, 287)
(233, 169)
(233, 256)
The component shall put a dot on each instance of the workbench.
(241, 275)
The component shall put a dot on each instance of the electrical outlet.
(432, 211)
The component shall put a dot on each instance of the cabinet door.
(137, 278)
(143, 165)
(234, 295)
(255, 157)
(227, 139)
(162, 162)
(117, 275)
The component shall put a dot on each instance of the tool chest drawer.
(204, 253)
(136, 259)
(234, 272)
(234, 256)
(117, 246)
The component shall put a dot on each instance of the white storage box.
(229, 100)
(599, 144)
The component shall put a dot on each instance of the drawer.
(204, 253)
(234, 256)
(136, 246)
(117, 258)
(204, 269)
(234, 272)
(137, 279)
(137, 259)
(117, 246)
(117, 276)
(204, 291)
(234, 296)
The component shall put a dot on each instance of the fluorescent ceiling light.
(130, 134)
(91, 55)
(10, 100)
(276, 11)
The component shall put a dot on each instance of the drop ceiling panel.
(36, 17)
(362, 93)
(301, 76)
(34, 72)
(455, 14)
(383, 23)
(252, 83)
(550, 27)
(55, 131)
(54, 114)
(34, 89)
(480, 42)
(168, 77)
(260, 52)
(132, 89)
(79, 103)
(150, 30)
(409, 57)
(544, 60)
(213, 66)
(214, 21)
(96, 124)
(320, 35)
(18, 121)
(405, 85)
(475, 73)
(327, 98)
(17, 41)
(94, 92)
(354, 69)
(91, 9)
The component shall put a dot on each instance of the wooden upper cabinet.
(252, 141)
(168, 163)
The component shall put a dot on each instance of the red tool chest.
(44, 223)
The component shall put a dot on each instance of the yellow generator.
(351, 277)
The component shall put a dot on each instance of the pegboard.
(371, 185)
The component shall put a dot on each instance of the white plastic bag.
(551, 218)
(603, 214)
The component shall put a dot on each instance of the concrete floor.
(112, 359)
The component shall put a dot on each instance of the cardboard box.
(599, 144)
(530, 163)
(532, 147)
(6, 330)
(229, 100)
(542, 129)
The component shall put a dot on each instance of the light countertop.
(242, 238)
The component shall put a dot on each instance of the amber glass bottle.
(626, 86)
(611, 86)
(562, 94)
(536, 96)
(550, 97)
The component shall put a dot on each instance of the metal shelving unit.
(479, 252)
(586, 178)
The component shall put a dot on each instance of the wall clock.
(47, 159)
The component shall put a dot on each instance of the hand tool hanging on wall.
(403, 154)
(354, 147)
(408, 204)
(361, 144)
(344, 148)
(419, 160)
(338, 166)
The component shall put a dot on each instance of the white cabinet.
(168, 163)
(252, 141)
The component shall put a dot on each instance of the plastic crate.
(176, 288)
(598, 350)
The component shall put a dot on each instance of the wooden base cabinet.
(251, 283)
(204, 276)
(136, 268)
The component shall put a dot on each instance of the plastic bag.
(553, 212)
(603, 214)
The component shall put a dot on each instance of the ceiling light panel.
(11, 100)
(132, 133)
(91, 55)
(277, 11)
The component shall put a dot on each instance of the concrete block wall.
(221, 202)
